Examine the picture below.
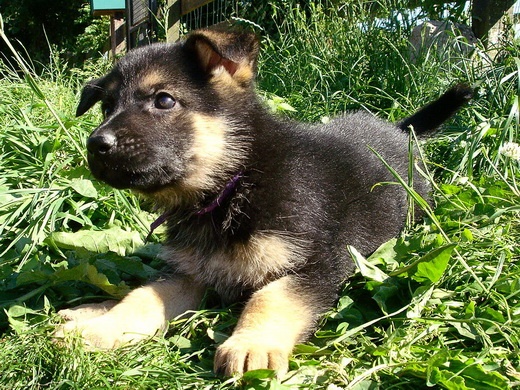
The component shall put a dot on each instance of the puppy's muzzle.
(102, 143)
(126, 162)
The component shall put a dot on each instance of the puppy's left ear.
(91, 94)
(232, 52)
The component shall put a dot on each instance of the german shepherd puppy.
(258, 208)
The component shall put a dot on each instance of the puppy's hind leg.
(143, 313)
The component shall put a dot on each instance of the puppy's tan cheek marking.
(210, 153)
(273, 321)
(207, 157)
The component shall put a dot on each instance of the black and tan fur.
(181, 121)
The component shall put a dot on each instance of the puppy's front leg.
(143, 313)
(275, 318)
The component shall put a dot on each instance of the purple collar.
(224, 194)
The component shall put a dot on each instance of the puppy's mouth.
(146, 178)
(129, 162)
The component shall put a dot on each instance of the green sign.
(107, 5)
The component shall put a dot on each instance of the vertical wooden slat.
(174, 20)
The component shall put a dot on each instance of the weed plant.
(436, 307)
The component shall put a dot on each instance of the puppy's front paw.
(140, 315)
(87, 311)
(241, 353)
(111, 330)
(99, 332)
(91, 323)
(109, 325)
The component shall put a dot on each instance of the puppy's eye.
(106, 110)
(163, 101)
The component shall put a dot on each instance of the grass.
(437, 307)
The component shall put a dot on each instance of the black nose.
(101, 143)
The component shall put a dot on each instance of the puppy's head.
(174, 114)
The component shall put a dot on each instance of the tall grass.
(436, 307)
(347, 59)
(46, 190)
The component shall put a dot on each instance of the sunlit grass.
(438, 306)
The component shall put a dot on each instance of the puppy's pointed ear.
(232, 52)
(91, 94)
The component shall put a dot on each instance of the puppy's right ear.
(91, 94)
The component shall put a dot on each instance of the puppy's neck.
(225, 194)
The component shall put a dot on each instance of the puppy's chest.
(241, 266)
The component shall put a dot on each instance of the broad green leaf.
(217, 336)
(133, 266)
(180, 342)
(344, 303)
(32, 276)
(465, 329)
(431, 266)
(368, 270)
(17, 318)
(383, 293)
(84, 187)
(20, 311)
(306, 348)
(17, 325)
(366, 384)
(450, 189)
(469, 310)
(493, 315)
(479, 378)
(467, 235)
(114, 239)
(385, 254)
(88, 273)
(451, 370)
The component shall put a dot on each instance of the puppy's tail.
(434, 114)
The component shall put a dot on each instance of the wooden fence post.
(174, 20)
(488, 17)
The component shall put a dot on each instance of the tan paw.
(142, 314)
(110, 331)
(110, 325)
(86, 311)
(240, 353)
